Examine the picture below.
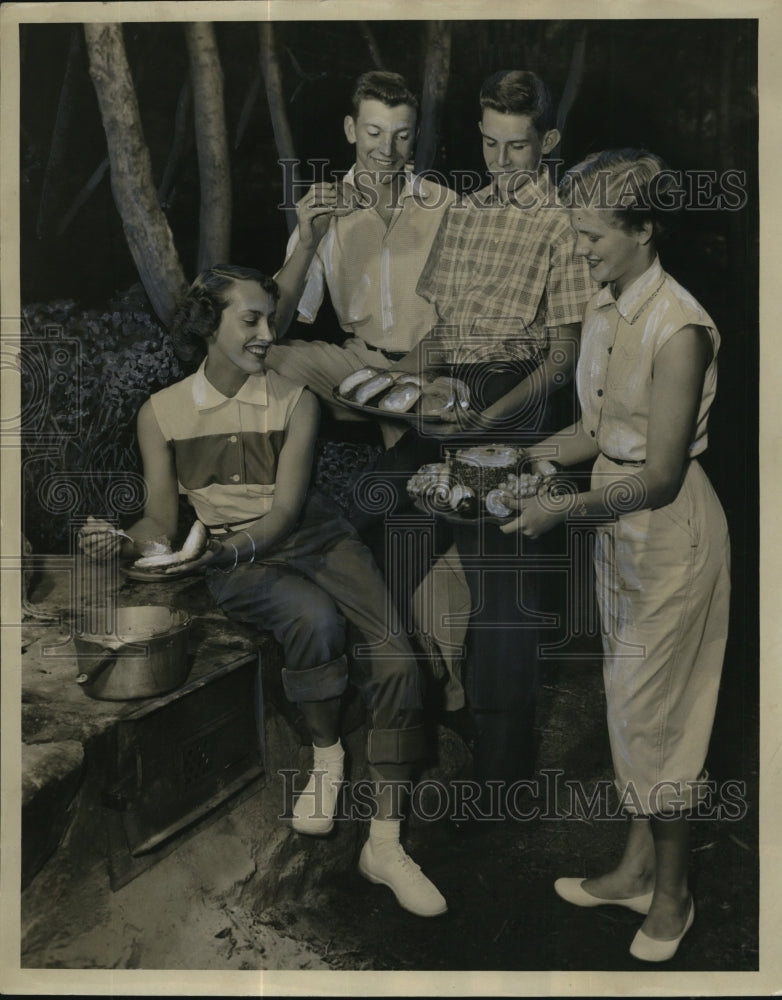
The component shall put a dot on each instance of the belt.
(390, 355)
(622, 461)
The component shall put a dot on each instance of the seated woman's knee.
(315, 632)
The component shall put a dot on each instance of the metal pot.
(146, 654)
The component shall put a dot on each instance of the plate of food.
(161, 562)
(406, 396)
(475, 484)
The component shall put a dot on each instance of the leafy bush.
(84, 377)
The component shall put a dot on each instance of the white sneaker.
(313, 813)
(395, 868)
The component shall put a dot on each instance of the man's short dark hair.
(381, 85)
(519, 92)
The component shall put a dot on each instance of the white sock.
(328, 758)
(383, 832)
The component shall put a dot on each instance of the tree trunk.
(572, 86)
(146, 228)
(374, 48)
(436, 70)
(84, 195)
(272, 78)
(180, 143)
(52, 178)
(247, 108)
(214, 168)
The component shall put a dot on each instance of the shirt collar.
(636, 295)
(535, 190)
(206, 397)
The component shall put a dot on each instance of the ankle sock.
(383, 832)
(328, 758)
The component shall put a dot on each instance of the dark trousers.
(501, 671)
(403, 541)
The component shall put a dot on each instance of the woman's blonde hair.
(634, 184)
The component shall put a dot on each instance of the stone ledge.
(65, 732)
(51, 775)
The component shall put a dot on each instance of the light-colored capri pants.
(663, 585)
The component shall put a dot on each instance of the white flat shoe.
(652, 949)
(572, 891)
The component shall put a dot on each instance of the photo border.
(768, 979)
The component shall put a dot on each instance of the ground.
(199, 907)
(503, 912)
(207, 904)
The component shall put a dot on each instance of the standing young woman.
(646, 380)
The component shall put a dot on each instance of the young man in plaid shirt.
(509, 296)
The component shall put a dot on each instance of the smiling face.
(512, 147)
(613, 252)
(383, 137)
(239, 346)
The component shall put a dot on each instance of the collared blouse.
(620, 340)
(226, 449)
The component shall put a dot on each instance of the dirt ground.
(503, 912)
(198, 909)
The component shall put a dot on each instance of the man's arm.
(313, 213)
(568, 289)
(433, 348)
(526, 397)
(555, 371)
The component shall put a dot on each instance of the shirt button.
(610, 349)
(233, 439)
(600, 392)
(235, 479)
(591, 433)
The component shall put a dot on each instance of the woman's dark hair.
(198, 314)
(634, 184)
(519, 92)
(381, 85)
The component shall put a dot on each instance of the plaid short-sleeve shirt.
(501, 272)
